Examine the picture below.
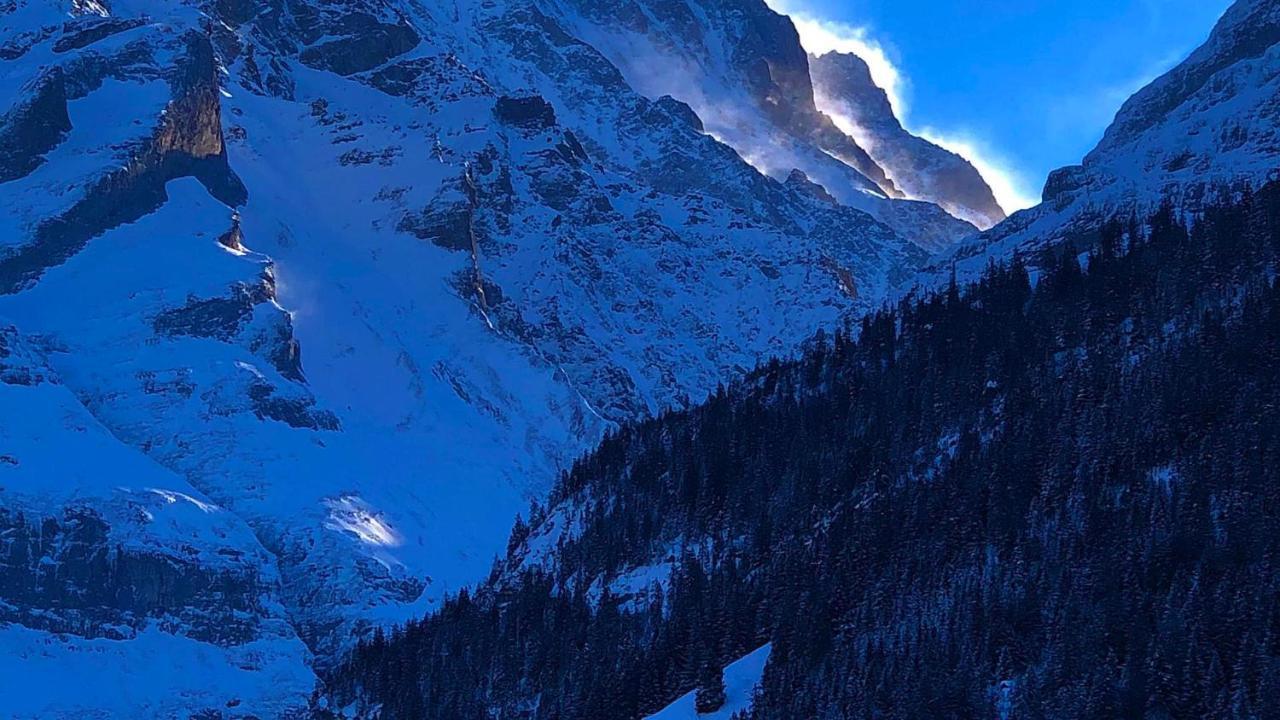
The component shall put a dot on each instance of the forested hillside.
(1034, 497)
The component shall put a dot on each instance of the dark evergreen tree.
(710, 694)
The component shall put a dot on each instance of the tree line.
(1049, 494)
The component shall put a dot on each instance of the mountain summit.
(843, 88)
(740, 66)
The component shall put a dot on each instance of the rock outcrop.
(186, 142)
(105, 555)
(34, 126)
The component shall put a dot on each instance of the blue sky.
(1019, 86)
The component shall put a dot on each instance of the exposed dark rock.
(1062, 182)
(227, 318)
(558, 180)
(134, 62)
(844, 277)
(285, 353)
(399, 78)
(274, 80)
(186, 143)
(366, 45)
(220, 318)
(65, 574)
(447, 219)
(74, 37)
(531, 113)
(799, 182)
(175, 383)
(239, 12)
(357, 156)
(429, 80)
(18, 45)
(571, 148)
(233, 239)
(680, 111)
(19, 365)
(298, 412)
(34, 126)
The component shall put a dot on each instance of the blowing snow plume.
(858, 84)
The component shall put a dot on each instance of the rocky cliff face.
(33, 126)
(741, 68)
(1208, 124)
(118, 574)
(843, 87)
(185, 140)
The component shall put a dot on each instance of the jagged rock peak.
(801, 183)
(844, 88)
(741, 68)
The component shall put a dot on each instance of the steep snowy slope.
(741, 678)
(843, 87)
(112, 561)
(1211, 122)
(364, 276)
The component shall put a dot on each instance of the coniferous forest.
(1052, 493)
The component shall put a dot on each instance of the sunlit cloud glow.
(1008, 184)
(353, 515)
(819, 37)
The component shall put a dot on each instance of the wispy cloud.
(1093, 110)
(1010, 186)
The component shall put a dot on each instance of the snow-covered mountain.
(303, 301)
(843, 87)
(311, 299)
(1210, 123)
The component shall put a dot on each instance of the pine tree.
(710, 695)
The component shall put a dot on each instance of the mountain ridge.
(1208, 124)
(1007, 498)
